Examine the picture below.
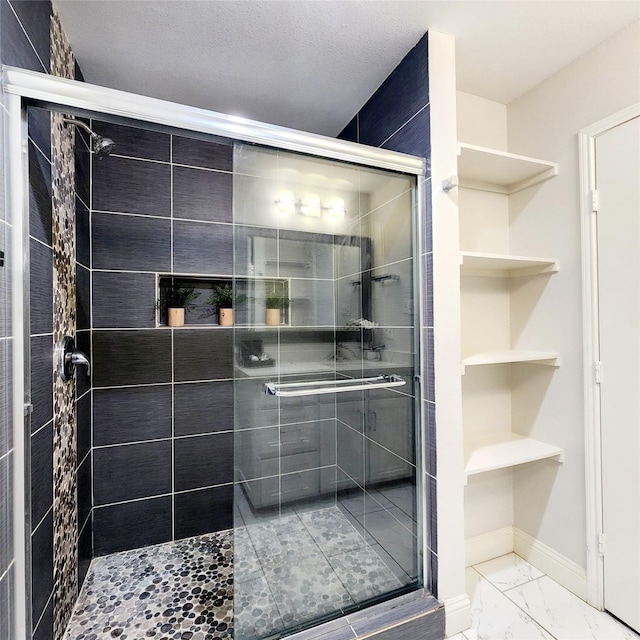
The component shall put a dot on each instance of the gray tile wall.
(84, 397)
(162, 398)
(376, 430)
(397, 117)
(25, 42)
(17, 19)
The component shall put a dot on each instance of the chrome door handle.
(320, 387)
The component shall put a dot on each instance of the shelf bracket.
(450, 183)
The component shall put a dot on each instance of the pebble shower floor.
(174, 590)
(288, 570)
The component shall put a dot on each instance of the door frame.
(85, 99)
(591, 351)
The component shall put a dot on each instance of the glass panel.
(6, 446)
(325, 505)
(325, 494)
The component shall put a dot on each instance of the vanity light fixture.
(286, 203)
(310, 206)
(336, 209)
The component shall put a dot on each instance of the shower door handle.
(320, 387)
(69, 358)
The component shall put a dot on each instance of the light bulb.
(311, 206)
(336, 209)
(286, 203)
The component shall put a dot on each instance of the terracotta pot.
(273, 317)
(225, 317)
(175, 317)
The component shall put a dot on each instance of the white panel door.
(618, 184)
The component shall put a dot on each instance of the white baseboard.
(488, 545)
(556, 566)
(499, 542)
(457, 614)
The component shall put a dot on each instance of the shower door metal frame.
(79, 98)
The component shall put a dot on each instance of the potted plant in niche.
(222, 299)
(174, 299)
(275, 302)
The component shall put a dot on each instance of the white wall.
(481, 122)
(446, 310)
(549, 501)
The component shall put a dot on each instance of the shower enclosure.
(326, 417)
(297, 427)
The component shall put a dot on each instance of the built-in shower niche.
(249, 299)
(195, 293)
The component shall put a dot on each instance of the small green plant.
(222, 297)
(176, 297)
(276, 297)
(276, 302)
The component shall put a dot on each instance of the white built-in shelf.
(499, 171)
(494, 265)
(506, 450)
(511, 357)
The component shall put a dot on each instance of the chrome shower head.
(100, 146)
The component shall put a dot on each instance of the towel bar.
(319, 387)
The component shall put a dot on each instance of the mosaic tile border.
(65, 506)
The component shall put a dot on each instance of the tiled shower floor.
(178, 589)
(186, 589)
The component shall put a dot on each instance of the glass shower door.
(326, 418)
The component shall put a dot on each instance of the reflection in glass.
(325, 499)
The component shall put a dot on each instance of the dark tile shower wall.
(25, 41)
(162, 398)
(84, 474)
(396, 117)
(16, 49)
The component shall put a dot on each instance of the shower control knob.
(69, 358)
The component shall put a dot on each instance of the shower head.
(101, 146)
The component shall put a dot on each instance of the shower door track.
(83, 99)
(81, 96)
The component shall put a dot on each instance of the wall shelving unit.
(499, 452)
(511, 356)
(500, 173)
(493, 265)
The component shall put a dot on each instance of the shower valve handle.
(69, 358)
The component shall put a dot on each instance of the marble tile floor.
(512, 600)
(277, 573)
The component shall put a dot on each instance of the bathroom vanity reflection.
(303, 265)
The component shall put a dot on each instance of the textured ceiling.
(310, 64)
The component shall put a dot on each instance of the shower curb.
(407, 617)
